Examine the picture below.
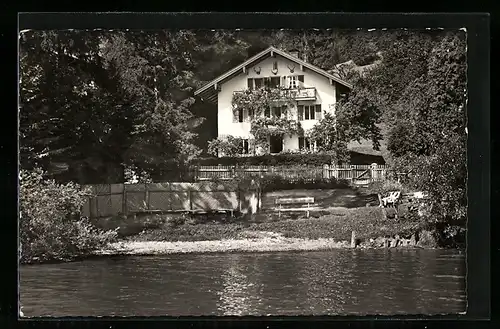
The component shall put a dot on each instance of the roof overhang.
(209, 91)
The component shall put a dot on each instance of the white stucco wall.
(325, 93)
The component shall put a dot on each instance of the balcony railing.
(304, 93)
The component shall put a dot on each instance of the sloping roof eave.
(263, 53)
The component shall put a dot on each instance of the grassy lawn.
(338, 224)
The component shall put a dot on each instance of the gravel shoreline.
(248, 241)
(230, 245)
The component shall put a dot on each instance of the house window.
(259, 83)
(275, 82)
(250, 84)
(245, 146)
(309, 112)
(267, 112)
(305, 143)
(276, 112)
(275, 144)
(295, 81)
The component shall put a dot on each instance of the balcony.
(300, 94)
(304, 94)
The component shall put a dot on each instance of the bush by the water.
(51, 227)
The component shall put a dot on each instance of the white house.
(315, 91)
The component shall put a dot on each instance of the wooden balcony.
(304, 94)
(300, 94)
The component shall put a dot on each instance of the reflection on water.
(306, 283)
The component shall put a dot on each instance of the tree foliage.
(50, 224)
(99, 100)
(429, 139)
(227, 146)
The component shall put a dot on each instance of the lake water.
(338, 282)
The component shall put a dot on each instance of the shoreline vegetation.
(149, 235)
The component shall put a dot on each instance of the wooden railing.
(302, 93)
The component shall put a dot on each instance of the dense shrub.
(50, 224)
(287, 159)
(276, 183)
(387, 186)
(267, 160)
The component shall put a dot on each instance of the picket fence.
(358, 174)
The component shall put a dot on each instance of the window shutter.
(307, 143)
(250, 83)
(300, 109)
(251, 146)
(245, 146)
(236, 114)
(267, 112)
(301, 143)
(307, 112)
(318, 112)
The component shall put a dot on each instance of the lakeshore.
(268, 242)
(267, 234)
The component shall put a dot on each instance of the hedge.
(286, 159)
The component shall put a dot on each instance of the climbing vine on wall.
(263, 127)
(257, 101)
(258, 104)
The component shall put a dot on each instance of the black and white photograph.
(238, 172)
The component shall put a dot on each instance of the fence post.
(352, 174)
(124, 202)
(190, 200)
(353, 239)
(146, 195)
(373, 172)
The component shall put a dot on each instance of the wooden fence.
(115, 199)
(354, 173)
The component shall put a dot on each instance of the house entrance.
(276, 144)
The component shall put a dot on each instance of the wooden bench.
(304, 201)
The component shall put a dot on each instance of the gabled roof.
(208, 90)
